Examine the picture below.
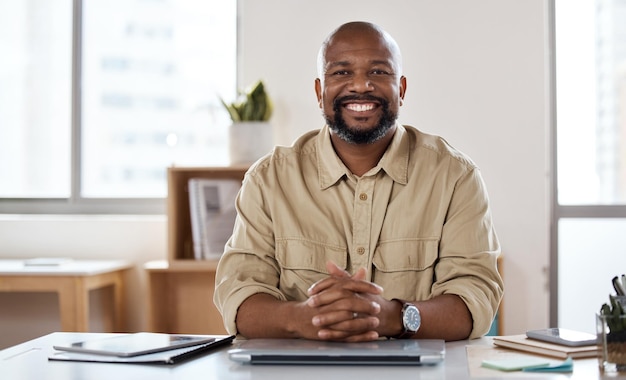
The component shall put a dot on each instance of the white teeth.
(360, 107)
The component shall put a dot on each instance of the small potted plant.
(611, 328)
(250, 135)
(253, 104)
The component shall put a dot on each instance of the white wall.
(477, 74)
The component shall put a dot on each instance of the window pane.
(153, 73)
(591, 101)
(35, 98)
(591, 253)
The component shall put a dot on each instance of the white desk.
(28, 361)
(72, 281)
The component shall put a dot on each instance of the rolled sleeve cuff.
(482, 310)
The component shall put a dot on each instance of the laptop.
(307, 352)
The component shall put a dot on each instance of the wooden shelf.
(181, 287)
(180, 244)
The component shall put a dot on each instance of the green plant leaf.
(254, 104)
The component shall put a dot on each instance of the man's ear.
(402, 88)
(318, 91)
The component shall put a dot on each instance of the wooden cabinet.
(181, 298)
(181, 288)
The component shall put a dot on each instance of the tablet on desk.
(301, 351)
(563, 337)
(128, 345)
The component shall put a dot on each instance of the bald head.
(350, 33)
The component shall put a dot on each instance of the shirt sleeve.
(247, 266)
(469, 249)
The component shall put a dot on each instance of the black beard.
(359, 136)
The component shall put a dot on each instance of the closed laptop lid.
(301, 351)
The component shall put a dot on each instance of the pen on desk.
(617, 285)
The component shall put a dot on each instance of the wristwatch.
(411, 320)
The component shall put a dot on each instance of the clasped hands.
(347, 307)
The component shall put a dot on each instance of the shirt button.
(363, 196)
(360, 250)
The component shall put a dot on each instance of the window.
(35, 98)
(99, 97)
(591, 102)
(590, 192)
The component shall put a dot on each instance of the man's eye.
(340, 72)
(380, 72)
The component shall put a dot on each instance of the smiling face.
(360, 88)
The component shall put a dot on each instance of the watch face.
(411, 318)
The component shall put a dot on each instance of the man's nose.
(361, 83)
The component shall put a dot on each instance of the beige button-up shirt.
(419, 222)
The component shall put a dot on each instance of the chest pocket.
(406, 268)
(303, 263)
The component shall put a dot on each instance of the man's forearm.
(263, 316)
(444, 317)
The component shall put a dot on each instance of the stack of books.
(523, 343)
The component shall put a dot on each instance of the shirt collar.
(395, 161)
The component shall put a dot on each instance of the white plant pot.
(249, 140)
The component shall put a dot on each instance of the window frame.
(557, 210)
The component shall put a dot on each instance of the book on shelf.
(523, 343)
(212, 211)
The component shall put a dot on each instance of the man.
(365, 228)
